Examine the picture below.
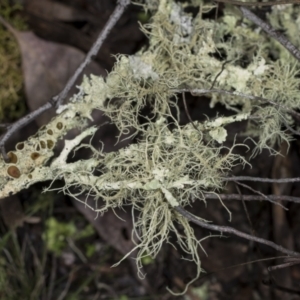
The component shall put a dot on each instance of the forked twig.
(260, 193)
(58, 99)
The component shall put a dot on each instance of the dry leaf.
(47, 66)
(56, 10)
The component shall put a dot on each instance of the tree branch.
(227, 229)
(267, 3)
(261, 194)
(113, 19)
(259, 179)
(250, 197)
(271, 31)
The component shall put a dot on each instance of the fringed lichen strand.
(169, 165)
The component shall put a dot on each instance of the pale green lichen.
(170, 164)
(219, 134)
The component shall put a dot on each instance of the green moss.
(90, 250)
(57, 234)
(11, 105)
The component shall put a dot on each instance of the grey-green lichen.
(170, 165)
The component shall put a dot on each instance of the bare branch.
(272, 32)
(245, 209)
(227, 229)
(259, 179)
(58, 99)
(260, 193)
(113, 19)
(282, 266)
(250, 197)
(267, 3)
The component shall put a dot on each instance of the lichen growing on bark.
(170, 165)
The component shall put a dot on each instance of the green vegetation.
(10, 60)
(57, 234)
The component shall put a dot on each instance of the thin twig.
(260, 193)
(77, 250)
(58, 99)
(67, 286)
(196, 92)
(113, 19)
(240, 265)
(213, 196)
(250, 223)
(227, 229)
(295, 114)
(260, 179)
(290, 128)
(52, 276)
(245, 209)
(222, 69)
(267, 3)
(187, 111)
(286, 265)
(271, 31)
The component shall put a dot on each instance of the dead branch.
(267, 3)
(259, 179)
(250, 197)
(271, 31)
(227, 229)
